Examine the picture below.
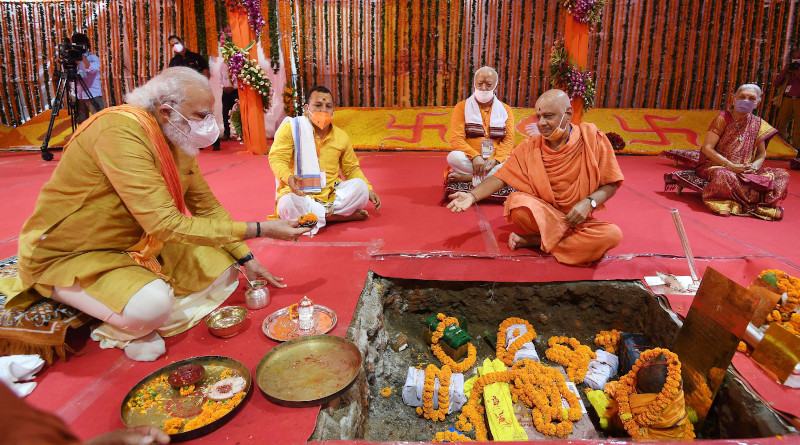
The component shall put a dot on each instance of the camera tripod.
(69, 73)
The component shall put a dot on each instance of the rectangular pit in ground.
(390, 307)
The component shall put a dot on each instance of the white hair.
(169, 86)
(484, 68)
(750, 85)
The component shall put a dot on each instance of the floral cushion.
(41, 328)
(689, 158)
(684, 179)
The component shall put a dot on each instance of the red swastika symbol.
(417, 128)
(661, 132)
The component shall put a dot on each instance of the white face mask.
(178, 47)
(201, 133)
(483, 96)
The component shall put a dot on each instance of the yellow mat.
(30, 135)
(645, 131)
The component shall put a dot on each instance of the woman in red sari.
(732, 159)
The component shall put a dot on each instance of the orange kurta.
(472, 146)
(550, 183)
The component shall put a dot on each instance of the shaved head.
(555, 98)
(553, 108)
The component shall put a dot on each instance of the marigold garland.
(635, 424)
(608, 340)
(386, 392)
(540, 387)
(789, 285)
(442, 356)
(570, 353)
(427, 410)
(450, 436)
(507, 355)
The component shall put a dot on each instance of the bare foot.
(358, 215)
(459, 177)
(528, 240)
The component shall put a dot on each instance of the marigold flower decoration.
(472, 353)
(789, 285)
(427, 410)
(450, 436)
(507, 355)
(572, 354)
(608, 340)
(386, 392)
(636, 424)
(540, 387)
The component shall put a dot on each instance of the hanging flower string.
(253, 10)
(246, 70)
(587, 12)
(568, 76)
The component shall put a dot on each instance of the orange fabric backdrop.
(254, 134)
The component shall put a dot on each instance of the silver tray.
(280, 327)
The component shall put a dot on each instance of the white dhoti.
(460, 163)
(152, 312)
(349, 196)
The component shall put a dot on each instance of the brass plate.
(308, 370)
(279, 325)
(185, 407)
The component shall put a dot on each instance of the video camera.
(71, 53)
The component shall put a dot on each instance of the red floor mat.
(412, 236)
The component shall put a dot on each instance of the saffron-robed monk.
(562, 175)
(481, 131)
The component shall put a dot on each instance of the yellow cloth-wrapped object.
(335, 153)
(600, 402)
(499, 406)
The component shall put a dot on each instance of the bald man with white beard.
(562, 175)
(481, 131)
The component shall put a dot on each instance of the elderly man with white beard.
(110, 235)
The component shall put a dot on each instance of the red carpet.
(412, 236)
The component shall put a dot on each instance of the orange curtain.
(576, 40)
(254, 134)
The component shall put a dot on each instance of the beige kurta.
(106, 190)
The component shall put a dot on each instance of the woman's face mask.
(745, 106)
(202, 133)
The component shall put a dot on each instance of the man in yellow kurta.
(562, 175)
(317, 170)
(481, 132)
(109, 235)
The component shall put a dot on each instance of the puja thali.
(308, 370)
(186, 412)
(282, 326)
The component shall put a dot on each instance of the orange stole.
(148, 248)
(550, 183)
